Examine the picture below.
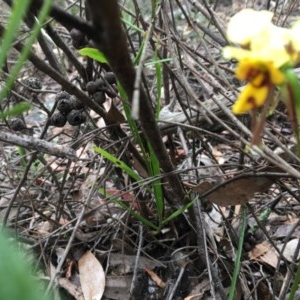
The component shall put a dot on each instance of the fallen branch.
(36, 144)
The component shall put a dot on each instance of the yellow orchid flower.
(247, 25)
(253, 30)
(258, 39)
(266, 54)
(278, 56)
(262, 50)
(250, 98)
(262, 76)
(259, 72)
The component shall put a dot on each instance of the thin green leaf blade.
(94, 54)
(118, 162)
(179, 211)
(27, 48)
(19, 9)
(15, 110)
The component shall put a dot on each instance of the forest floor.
(99, 217)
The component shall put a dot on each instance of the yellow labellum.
(249, 69)
(250, 98)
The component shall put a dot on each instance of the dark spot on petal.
(252, 73)
(251, 100)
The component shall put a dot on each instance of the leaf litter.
(117, 261)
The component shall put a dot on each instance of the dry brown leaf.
(139, 168)
(124, 264)
(264, 253)
(259, 250)
(235, 192)
(70, 268)
(199, 292)
(92, 277)
(270, 258)
(156, 278)
(218, 155)
(113, 114)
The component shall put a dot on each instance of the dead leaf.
(235, 192)
(118, 287)
(199, 292)
(259, 250)
(71, 288)
(114, 115)
(139, 168)
(68, 285)
(218, 155)
(92, 277)
(264, 253)
(263, 291)
(289, 249)
(156, 278)
(70, 268)
(270, 258)
(283, 230)
(124, 264)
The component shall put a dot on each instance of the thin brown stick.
(36, 144)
